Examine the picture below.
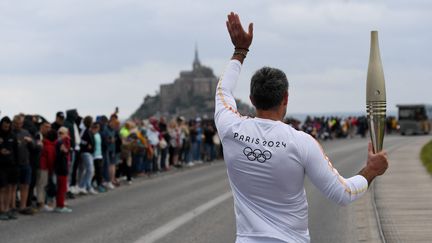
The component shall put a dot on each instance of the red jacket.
(48, 155)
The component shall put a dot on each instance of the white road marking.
(172, 225)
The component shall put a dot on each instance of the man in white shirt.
(267, 160)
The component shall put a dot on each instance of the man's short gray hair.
(267, 88)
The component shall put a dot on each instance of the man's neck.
(269, 114)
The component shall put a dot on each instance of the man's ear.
(252, 100)
(285, 99)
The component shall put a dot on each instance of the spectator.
(293, 122)
(362, 126)
(185, 155)
(87, 149)
(353, 126)
(61, 168)
(97, 156)
(118, 150)
(25, 144)
(196, 135)
(126, 150)
(72, 122)
(174, 143)
(209, 145)
(59, 121)
(32, 123)
(103, 124)
(46, 169)
(109, 137)
(153, 136)
(41, 170)
(142, 152)
(163, 143)
(8, 168)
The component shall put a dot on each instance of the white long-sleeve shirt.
(267, 162)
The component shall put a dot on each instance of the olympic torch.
(375, 95)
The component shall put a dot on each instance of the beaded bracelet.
(241, 51)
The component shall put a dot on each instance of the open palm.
(239, 38)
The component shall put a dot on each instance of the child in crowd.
(46, 167)
(61, 168)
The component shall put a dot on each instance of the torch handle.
(376, 114)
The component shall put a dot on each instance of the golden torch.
(375, 95)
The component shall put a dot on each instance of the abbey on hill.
(191, 95)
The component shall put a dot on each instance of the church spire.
(196, 62)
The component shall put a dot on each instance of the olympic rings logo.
(257, 154)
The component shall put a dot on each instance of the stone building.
(191, 95)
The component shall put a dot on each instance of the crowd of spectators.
(331, 127)
(42, 164)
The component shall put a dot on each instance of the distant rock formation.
(191, 95)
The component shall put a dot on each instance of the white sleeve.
(326, 178)
(225, 106)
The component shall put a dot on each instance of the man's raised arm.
(225, 105)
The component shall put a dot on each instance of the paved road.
(184, 206)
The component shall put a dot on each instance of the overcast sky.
(96, 55)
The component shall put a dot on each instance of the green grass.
(426, 156)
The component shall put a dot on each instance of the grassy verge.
(426, 156)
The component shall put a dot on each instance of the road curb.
(377, 217)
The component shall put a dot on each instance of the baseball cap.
(60, 114)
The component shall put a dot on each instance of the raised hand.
(239, 38)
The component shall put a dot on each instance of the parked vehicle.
(415, 119)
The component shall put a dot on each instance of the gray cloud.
(116, 52)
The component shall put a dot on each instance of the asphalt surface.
(167, 208)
